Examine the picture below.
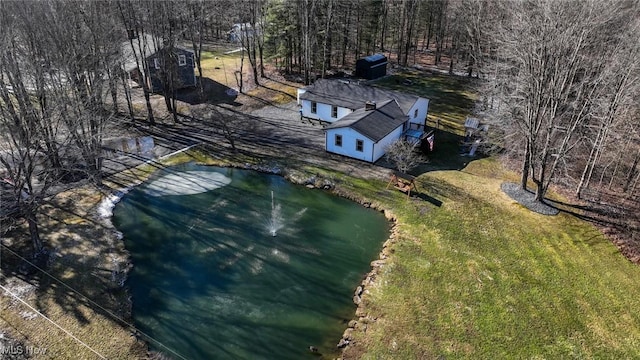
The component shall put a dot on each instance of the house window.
(359, 145)
(156, 63)
(334, 111)
(314, 107)
(338, 140)
(182, 61)
(415, 114)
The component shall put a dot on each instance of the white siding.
(323, 111)
(418, 122)
(381, 146)
(371, 151)
(348, 148)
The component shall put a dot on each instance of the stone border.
(363, 319)
(298, 178)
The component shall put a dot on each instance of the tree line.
(560, 78)
(565, 75)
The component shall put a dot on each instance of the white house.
(363, 120)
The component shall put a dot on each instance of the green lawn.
(451, 98)
(220, 67)
(481, 277)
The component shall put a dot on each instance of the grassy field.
(481, 277)
(222, 67)
(451, 98)
(478, 276)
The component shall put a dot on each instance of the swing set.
(403, 182)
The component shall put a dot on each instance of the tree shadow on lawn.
(292, 97)
(616, 214)
(447, 94)
(430, 199)
(447, 155)
(213, 93)
(71, 280)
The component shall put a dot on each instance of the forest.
(558, 79)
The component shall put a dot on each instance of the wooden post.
(393, 179)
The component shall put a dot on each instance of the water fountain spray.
(276, 221)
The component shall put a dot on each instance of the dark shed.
(372, 66)
(181, 62)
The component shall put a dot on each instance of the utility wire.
(116, 317)
(54, 323)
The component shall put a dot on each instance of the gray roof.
(149, 45)
(374, 124)
(353, 96)
(129, 54)
(374, 57)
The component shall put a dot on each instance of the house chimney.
(370, 105)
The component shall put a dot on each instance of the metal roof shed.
(372, 67)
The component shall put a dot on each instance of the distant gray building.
(158, 62)
(244, 30)
(181, 61)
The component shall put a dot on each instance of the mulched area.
(527, 199)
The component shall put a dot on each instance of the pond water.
(235, 264)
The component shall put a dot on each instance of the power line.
(116, 317)
(54, 323)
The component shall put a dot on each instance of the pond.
(232, 264)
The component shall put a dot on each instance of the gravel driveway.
(272, 131)
(281, 132)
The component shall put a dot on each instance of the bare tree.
(163, 21)
(140, 47)
(551, 77)
(615, 105)
(195, 17)
(476, 23)
(238, 73)
(251, 34)
(21, 122)
(404, 155)
(88, 50)
(307, 9)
